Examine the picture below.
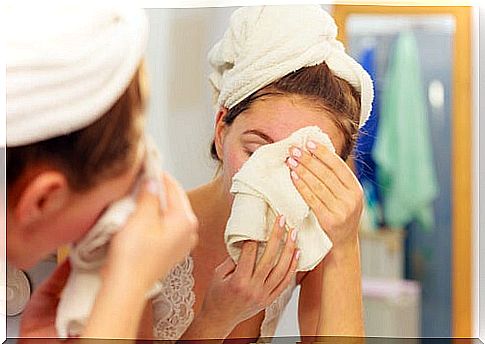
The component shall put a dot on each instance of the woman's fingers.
(148, 202)
(247, 259)
(321, 191)
(334, 162)
(317, 168)
(308, 195)
(287, 279)
(176, 197)
(178, 210)
(225, 268)
(280, 270)
(268, 260)
(325, 216)
(327, 185)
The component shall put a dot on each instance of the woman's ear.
(45, 194)
(220, 131)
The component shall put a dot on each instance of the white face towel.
(89, 254)
(266, 43)
(263, 189)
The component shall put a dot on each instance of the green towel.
(403, 153)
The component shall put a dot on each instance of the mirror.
(430, 270)
(416, 282)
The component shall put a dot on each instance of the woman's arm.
(327, 305)
(151, 243)
(341, 301)
(118, 309)
(309, 301)
(162, 238)
(334, 194)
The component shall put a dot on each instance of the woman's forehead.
(279, 117)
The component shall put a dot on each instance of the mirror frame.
(461, 148)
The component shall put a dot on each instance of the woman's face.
(270, 120)
(80, 211)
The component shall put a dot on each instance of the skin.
(247, 288)
(47, 214)
(165, 237)
(44, 205)
(330, 298)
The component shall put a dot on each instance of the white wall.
(181, 116)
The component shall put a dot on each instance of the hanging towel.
(263, 189)
(403, 151)
(364, 162)
(88, 256)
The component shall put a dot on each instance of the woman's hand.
(151, 243)
(331, 190)
(238, 292)
(333, 193)
(154, 240)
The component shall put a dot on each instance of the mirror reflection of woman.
(210, 296)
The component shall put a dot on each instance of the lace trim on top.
(173, 307)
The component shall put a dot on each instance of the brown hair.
(102, 150)
(318, 84)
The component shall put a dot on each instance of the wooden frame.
(461, 150)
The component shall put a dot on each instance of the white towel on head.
(265, 43)
(67, 62)
(263, 189)
(89, 254)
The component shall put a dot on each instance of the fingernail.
(293, 234)
(298, 254)
(282, 221)
(294, 175)
(153, 187)
(296, 152)
(311, 145)
(292, 162)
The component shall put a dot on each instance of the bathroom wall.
(181, 116)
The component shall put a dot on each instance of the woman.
(74, 146)
(277, 69)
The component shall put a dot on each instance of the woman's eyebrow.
(260, 134)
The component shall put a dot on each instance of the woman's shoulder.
(200, 199)
(197, 192)
(202, 193)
